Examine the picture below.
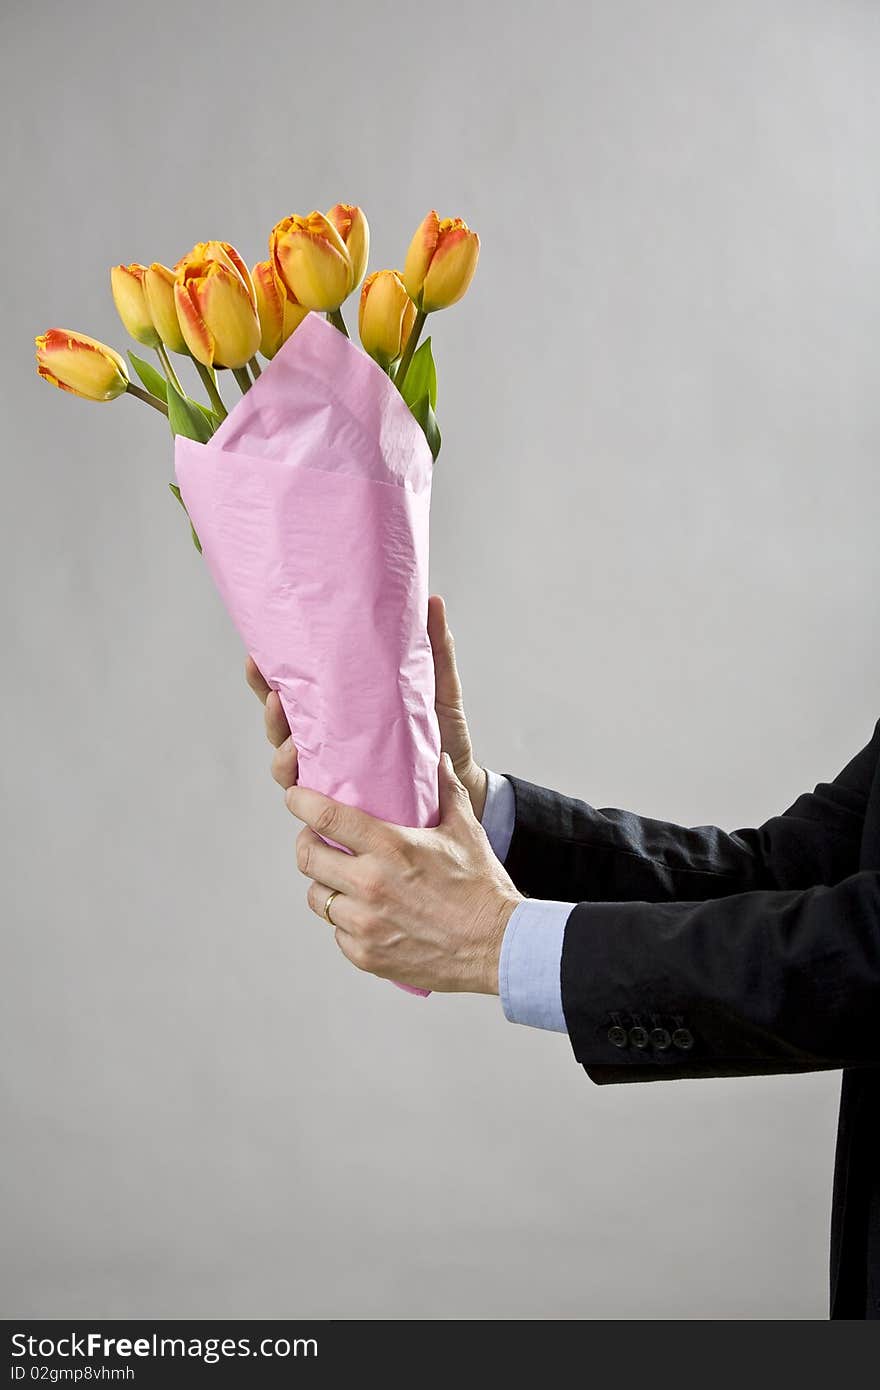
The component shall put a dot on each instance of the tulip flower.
(82, 365)
(216, 312)
(352, 226)
(440, 262)
(129, 296)
(159, 290)
(227, 256)
(312, 261)
(279, 312)
(386, 316)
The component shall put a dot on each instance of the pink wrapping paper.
(311, 503)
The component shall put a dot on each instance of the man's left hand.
(423, 907)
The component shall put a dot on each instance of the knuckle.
(372, 888)
(327, 819)
(369, 927)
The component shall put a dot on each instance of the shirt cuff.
(529, 970)
(499, 813)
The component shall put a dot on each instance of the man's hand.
(455, 737)
(423, 907)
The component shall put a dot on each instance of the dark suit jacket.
(696, 953)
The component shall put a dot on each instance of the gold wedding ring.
(334, 894)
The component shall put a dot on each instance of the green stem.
(412, 343)
(335, 317)
(255, 367)
(210, 386)
(242, 376)
(168, 369)
(145, 396)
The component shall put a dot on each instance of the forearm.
(756, 983)
(565, 848)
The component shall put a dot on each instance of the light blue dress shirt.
(531, 952)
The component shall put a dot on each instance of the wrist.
(497, 923)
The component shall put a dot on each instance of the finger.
(254, 678)
(320, 861)
(447, 683)
(285, 764)
(347, 826)
(454, 800)
(349, 943)
(277, 727)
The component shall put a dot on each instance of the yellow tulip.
(217, 318)
(386, 316)
(127, 284)
(440, 262)
(312, 261)
(353, 227)
(159, 290)
(81, 365)
(279, 313)
(227, 256)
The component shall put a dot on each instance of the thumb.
(454, 800)
(448, 685)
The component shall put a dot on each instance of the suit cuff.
(499, 814)
(529, 969)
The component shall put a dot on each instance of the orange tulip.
(159, 291)
(352, 226)
(217, 316)
(127, 284)
(279, 313)
(82, 365)
(386, 316)
(440, 262)
(312, 261)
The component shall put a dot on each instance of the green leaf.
(196, 542)
(188, 418)
(421, 379)
(424, 413)
(153, 380)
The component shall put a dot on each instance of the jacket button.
(660, 1038)
(683, 1038)
(617, 1036)
(638, 1036)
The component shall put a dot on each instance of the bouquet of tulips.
(309, 495)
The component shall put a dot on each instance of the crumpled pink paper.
(311, 503)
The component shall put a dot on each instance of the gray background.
(655, 524)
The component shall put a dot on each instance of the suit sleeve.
(566, 849)
(749, 984)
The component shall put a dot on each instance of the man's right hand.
(455, 736)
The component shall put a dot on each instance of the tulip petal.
(418, 257)
(193, 327)
(351, 224)
(225, 254)
(159, 290)
(270, 307)
(226, 310)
